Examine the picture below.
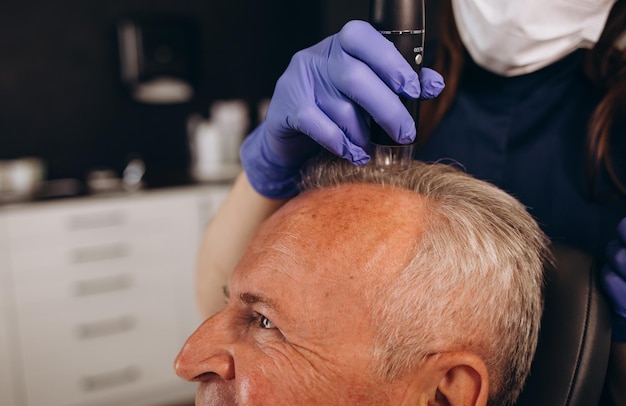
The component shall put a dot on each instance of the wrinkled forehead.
(357, 205)
(351, 227)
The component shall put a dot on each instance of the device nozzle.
(393, 157)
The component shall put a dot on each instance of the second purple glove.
(614, 281)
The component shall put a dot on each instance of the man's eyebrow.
(250, 298)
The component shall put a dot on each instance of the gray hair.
(475, 281)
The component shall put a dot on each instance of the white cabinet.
(7, 392)
(8, 382)
(103, 292)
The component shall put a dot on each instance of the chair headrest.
(575, 338)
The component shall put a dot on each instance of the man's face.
(297, 329)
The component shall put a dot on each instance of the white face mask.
(514, 37)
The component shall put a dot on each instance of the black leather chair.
(572, 356)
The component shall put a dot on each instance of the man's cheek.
(270, 389)
(283, 377)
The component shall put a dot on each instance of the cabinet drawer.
(72, 223)
(67, 380)
(122, 284)
(82, 328)
(92, 259)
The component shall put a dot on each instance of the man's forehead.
(359, 203)
(347, 228)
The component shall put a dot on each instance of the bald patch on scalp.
(368, 223)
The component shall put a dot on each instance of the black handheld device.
(403, 23)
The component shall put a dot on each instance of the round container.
(21, 179)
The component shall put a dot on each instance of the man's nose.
(207, 351)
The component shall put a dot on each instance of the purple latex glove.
(614, 281)
(322, 100)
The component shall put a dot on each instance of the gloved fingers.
(362, 41)
(359, 83)
(317, 125)
(616, 255)
(431, 82)
(615, 287)
(348, 117)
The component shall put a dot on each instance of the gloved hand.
(614, 281)
(319, 102)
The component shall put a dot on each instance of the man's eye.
(265, 322)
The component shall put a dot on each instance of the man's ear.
(462, 380)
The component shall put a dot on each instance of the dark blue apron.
(527, 135)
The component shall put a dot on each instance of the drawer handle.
(103, 285)
(100, 253)
(107, 327)
(111, 379)
(96, 220)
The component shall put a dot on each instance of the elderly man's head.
(378, 288)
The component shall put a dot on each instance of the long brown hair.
(605, 65)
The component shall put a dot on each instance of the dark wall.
(61, 96)
(339, 12)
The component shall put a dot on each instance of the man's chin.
(215, 394)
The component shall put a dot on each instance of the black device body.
(403, 23)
